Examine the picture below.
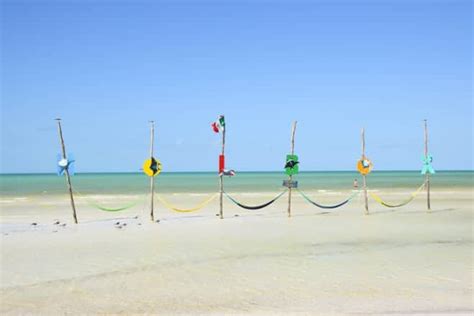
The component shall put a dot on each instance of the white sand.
(391, 262)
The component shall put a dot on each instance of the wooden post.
(152, 179)
(66, 170)
(221, 177)
(293, 130)
(366, 201)
(427, 174)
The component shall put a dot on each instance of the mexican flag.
(219, 125)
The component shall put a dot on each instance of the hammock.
(413, 195)
(254, 207)
(105, 208)
(114, 209)
(328, 206)
(181, 210)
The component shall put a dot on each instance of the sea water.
(200, 182)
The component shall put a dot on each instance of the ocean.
(200, 182)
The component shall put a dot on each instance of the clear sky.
(108, 67)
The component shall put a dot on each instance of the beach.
(259, 262)
(236, 157)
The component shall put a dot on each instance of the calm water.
(136, 183)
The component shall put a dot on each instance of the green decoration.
(222, 121)
(291, 166)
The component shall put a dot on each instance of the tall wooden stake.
(66, 170)
(364, 176)
(293, 130)
(427, 175)
(221, 177)
(152, 179)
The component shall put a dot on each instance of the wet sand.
(394, 261)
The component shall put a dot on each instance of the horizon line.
(248, 171)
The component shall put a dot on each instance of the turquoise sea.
(199, 182)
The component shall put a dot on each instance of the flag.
(215, 127)
(222, 121)
(219, 125)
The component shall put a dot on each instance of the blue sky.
(108, 67)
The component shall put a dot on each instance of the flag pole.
(152, 178)
(290, 177)
(66, 170)
(366, 201)
(221, 176)
(427, 174)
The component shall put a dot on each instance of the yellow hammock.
(189, 210)
(412, 196)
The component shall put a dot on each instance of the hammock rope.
(105, 208)
(254, 207)
(307, 198)
(189, 210)
(411, 198)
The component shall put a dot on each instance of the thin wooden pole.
(366, 200)
(66, 171)
(427, 174)
(221, 177)
(152, 179)
(290, 177)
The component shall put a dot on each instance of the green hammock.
(108, 209)
(113, 209)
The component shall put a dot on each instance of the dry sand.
(400, 261)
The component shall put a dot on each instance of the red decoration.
(215, 127)
(221, 163)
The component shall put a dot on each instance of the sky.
(109, 67)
